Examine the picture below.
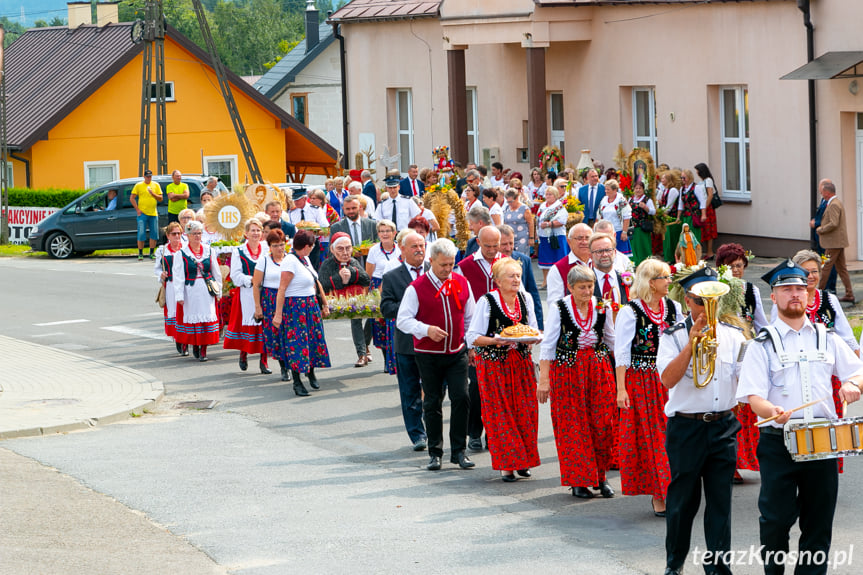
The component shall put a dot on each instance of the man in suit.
(395, 282)
(834, 239)
(411, 186)
(507, 250)
(399, 208)
(359, 229)
(816, 222)
(590, 195)
(370, 190)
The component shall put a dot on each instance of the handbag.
(212, 287)
(554, 242)
(160, 295)
(646, 225)
(716, 201)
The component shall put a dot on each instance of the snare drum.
(823, 439)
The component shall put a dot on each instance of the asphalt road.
(271, 483)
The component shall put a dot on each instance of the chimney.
(107, 13)
(79, 13)
(312, 37)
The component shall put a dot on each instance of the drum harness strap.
(802, 359)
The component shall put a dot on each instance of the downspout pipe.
(26, 163)
(803, 5)
(345, 123)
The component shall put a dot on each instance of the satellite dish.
(138, 28)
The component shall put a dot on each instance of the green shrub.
(42, 198)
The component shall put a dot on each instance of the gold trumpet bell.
(704, 347)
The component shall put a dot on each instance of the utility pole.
(153, 57)
(4, 150)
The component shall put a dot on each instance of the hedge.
(43, 198)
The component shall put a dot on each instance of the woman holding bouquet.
(641, 396)
(616, 210)
(507, 383)
(342, 275)
(576, 374)
(297, 308)
(244, 332)
(381, 255)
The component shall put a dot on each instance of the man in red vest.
(476, 268)
(578, 239)
(438, 328)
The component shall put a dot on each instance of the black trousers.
(792, 490)
(438, 373)
(474, 420)
(701, 455)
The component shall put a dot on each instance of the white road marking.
(138, 332)
(150, 313)
(123, 274)
(61, 322)
(47, 334)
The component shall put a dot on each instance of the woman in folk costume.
(244, 333)
(164, 270)
(643, 211)
(752, 314)
(576, 375)
(196, 266)
(641, 396)
(507, 382)
(688, 250)
(381, 256)
(265, 286)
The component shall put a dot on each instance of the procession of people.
(661, 366)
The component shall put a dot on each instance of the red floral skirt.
(643, 462)
(747, 438)
(510, 412)
(247, 338)
(583, 410)
(708, 229)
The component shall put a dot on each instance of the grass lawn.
(15, 250)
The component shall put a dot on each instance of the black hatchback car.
(85, 225)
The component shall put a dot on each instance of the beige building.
(691, 81)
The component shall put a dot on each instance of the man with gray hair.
(622, 263)
(578, 239)
(477, 218)
(438, 328)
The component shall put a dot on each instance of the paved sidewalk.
(45, 390)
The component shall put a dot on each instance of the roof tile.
(367, 10)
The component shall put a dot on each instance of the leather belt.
(706, 417)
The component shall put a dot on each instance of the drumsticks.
(804, 406)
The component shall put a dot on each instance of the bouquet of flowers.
(573, 206)
(625, 181)
(358, 306)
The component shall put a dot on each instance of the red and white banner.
(22, 220)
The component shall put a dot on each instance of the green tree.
(13, 31)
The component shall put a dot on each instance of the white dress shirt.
(548, 347)
(556, 285)
(840, 323)
(763, 375)
(612, 278)
(720, 394)
(406, 210)
(309, 213)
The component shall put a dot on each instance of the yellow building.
(74, 113)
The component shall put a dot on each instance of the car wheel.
(59, 246)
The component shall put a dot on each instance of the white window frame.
(114, 164)
(557, 137)
(406, 158)
(473, 130)
(169, 89)
(651, 139)
(742, 140)
(235, 175)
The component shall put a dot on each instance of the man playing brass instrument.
(701, 437)
(787, 365)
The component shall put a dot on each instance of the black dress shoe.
(462, 460)
(265, 369)
(244, 362)
(434, 463)
(196, 351)
(475, 444)
(524, 472)
(655, 512)
(180, 348)
(509, 478)
(313, 380)
(301, 390)
(670, 571)
(582, 493)
(605, 489)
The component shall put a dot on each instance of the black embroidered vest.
(567, 343)
(497, 322)
(645, 340)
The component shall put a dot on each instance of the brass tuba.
(704, 346)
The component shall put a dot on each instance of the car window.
(95, 201)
